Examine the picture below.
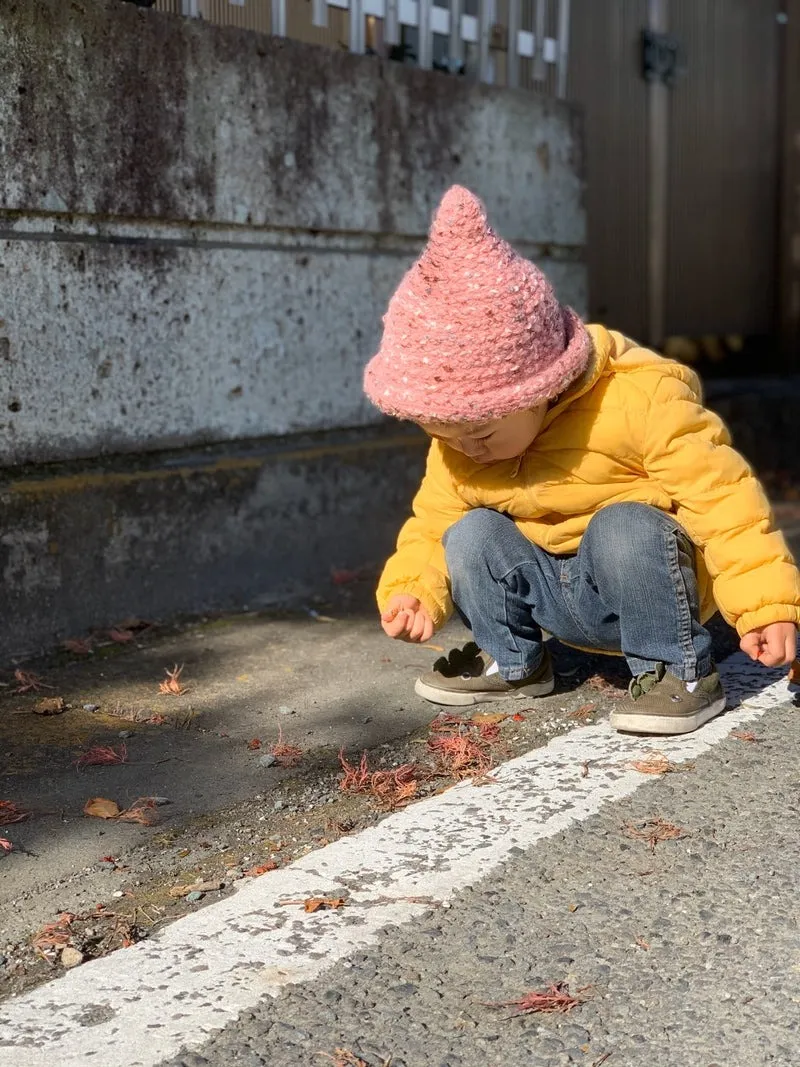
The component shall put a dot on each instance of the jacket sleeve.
(418, 567)
(722, 507)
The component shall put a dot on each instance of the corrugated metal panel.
(604, 77)
(251, 15)
(170, 7)
(723, 173)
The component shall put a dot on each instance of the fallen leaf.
(122, 637)
(654, 763)
(793, 676)
(142, 811)
(343, 1057)
(583, 712)
(101, 808)
(198, 887)
(745, 735)
(461, 756)
(6, 845)
(101, 755)
(173, 685)
(518, 717)
(9, 813)
(488, 718)
(323, 903)
(50, 706)
(286, 755)
(53, 935)
(640, 941)
(653, 830)
(254, 744)
(555, 1000)
(29, 682)
(79, 646)
(312, 904)
(261, 868)
(585, 769)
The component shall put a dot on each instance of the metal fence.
(516, 43)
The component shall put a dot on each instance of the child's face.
(491, 442)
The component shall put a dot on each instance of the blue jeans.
(631, 588)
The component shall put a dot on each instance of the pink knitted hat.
(474, 331)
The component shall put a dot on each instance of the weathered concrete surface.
(159, 342)
(82, 544)
(200, 227)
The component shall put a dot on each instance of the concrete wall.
(202, 226)
(199, 231)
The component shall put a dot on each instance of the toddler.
(575, 484)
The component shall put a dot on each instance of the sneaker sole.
(629, 722)
(454, 699)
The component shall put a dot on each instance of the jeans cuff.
(518, 674)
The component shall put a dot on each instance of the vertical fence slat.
(540, 30)
(190, 9)
(514, 24)
(485, 20)
(391, 24)
(563, 48)
(425, 47)
(319, 13)
(455, 49)
(356, 27)
(278, 23)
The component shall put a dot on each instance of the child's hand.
(406, 619)
(773, 645)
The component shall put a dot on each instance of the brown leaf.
(556, 999)
(10, 812)
(653, 830)
(640, 941)
(488, 718)
(261, 868)
(311, 904)
(254, 743)
(79, 646)
(653, 763)
(122, 637)
(50, 706)
(323, 903)
(29, 682)
(745, 735)
(173, 683)
(583, 712)
(142, 811)
(794, 673)
(101, 808)
(198, 887)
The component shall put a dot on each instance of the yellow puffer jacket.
(632, 428)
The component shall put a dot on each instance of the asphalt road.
(683, 952)
(689, 952)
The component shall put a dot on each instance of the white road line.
(138, 1006)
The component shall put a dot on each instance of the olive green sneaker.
(465, 677)
(660, 703)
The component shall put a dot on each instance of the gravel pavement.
(688, 952)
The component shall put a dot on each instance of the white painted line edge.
(204, 969)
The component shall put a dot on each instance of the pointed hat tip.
(460, 212)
